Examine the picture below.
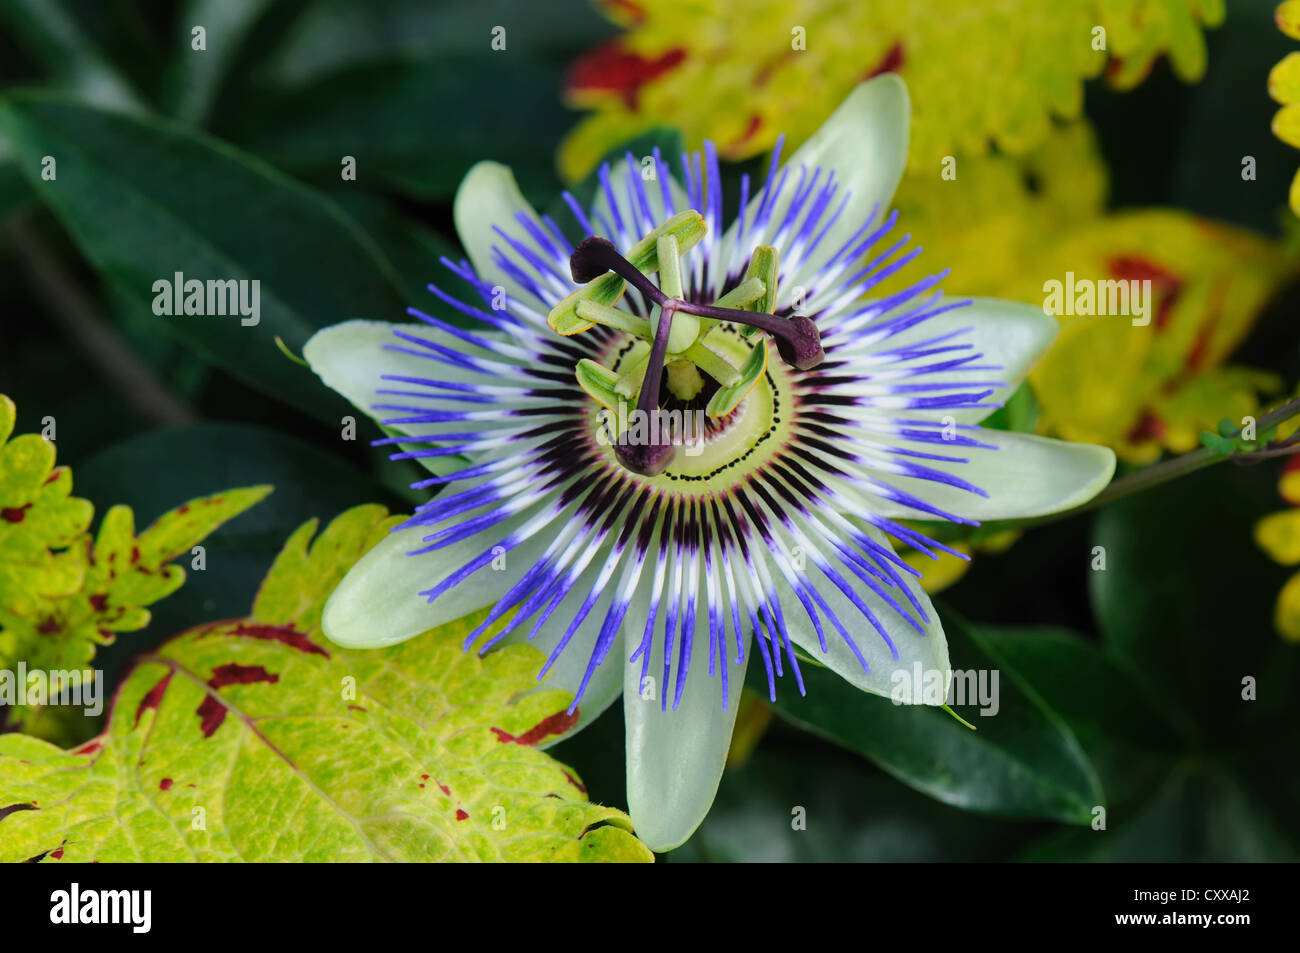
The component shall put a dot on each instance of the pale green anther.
(629, 381)
(687, 227)
(597, 313)
(712, 364)
(685, 329)
(763, 264)
(741, 296)
(670, 266)
(726, 399)
(599, 382)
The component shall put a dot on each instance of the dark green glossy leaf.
(416, 126)
(145, 200)
(1198, 814)
(72, 58)
(797, 800)
(1186, 598)
(194, 78)
(332, 35)
(1127, 737)
(1022, 761)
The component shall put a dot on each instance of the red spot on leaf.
(611, 68)
(1165, 285)
(211, 714)
(556, 724)
(15, 514)
(210, 711)
(461, 815)
(183, 508)
(54, 476)
(48, 624)
(1148, 427)
(56, 854)
(90, 747)
(891, 62)
(444, 789)
(355, 708)
(286, 634)
(153, 696)
(736, 148)
(236, 674)
(99, 602)
(165, 784)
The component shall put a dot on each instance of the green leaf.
(414, 125)
(1199, 814)
(1022, 761)
(1223, 446)
(259, 740)
(1125, 734)
(852, 812)
(39, 521)
(330, 36)
(62, 592)
(56, 39)
(145, 200)
(194, 79)
(413, 249)
(1185, 600)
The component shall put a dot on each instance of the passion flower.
(643, 475)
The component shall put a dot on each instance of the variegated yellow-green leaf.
(38, 519)
(63, 592)
(744, 74)
(259, 740)
(1164, 381)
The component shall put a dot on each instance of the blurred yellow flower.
(743, 73)
(1284, 87)
(1278, 534)
(1006, 226)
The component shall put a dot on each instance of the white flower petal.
(378, 603)
(1009, 334)
(675, 758)
(353, 357)
(929, 649)
(488, 197)
(864, 142)
(1025, 476)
